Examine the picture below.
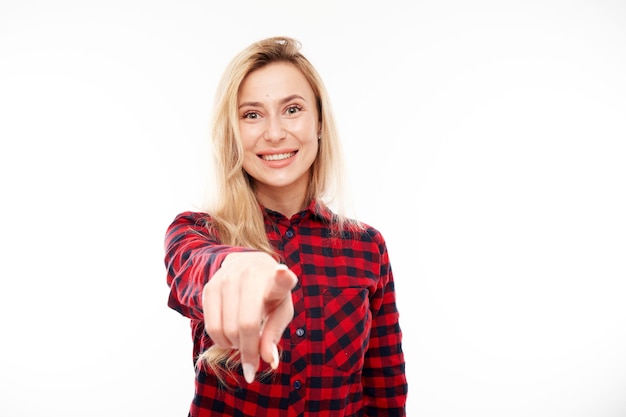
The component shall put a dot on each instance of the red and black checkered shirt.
(342, 352)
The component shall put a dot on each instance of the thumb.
(279, 312)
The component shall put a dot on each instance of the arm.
(234, 290)
(191, 259)
(384, 379)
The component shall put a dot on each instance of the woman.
(292, 304)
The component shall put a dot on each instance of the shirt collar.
(315, 209)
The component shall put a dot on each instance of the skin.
(278, 116)
(247, 304)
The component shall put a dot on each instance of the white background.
(485, 139)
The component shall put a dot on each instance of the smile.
(277, 156)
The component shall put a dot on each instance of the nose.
(274, 130)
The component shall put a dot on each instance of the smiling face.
(279, 128)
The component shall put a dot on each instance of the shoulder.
(363, 232)
(373, 233)
(348, 228)
(188, 221)
(192, 218)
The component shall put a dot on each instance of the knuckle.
(248, 326)
(233, 335)
(212, 330)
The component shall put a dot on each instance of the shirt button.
(300, 331)
(297, 384)
(289, 233)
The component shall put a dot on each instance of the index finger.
(253, 310)
(280, 287)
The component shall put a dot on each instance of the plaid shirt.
(341, 354)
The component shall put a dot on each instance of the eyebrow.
(282, 101)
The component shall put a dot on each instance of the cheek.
(249, 150)
(307, 133)
(248, 142)
(312, 141)
(249, 135)
(249, 158)
(249, 164)
(311, 151)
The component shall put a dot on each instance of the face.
(278, 123)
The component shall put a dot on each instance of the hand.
(247, 306)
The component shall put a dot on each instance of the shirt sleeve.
(384, 379)
(191, 258)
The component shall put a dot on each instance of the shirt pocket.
(347, 322)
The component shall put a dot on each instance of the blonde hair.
(235, 217)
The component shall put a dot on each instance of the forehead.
(275, 80)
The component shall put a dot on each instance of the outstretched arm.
(242, 295)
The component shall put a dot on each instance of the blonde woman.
(292, 304)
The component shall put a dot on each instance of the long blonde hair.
(235, 217)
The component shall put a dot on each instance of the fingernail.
(248, 372)
(274, 363)
(281, 267)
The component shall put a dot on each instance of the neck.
(282, 201)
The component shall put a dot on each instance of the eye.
(293, 109)
(250, 115)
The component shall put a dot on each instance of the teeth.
(278, 156)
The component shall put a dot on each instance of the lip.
(277, 155)
(277, 163)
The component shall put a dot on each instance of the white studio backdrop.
(485, 139)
